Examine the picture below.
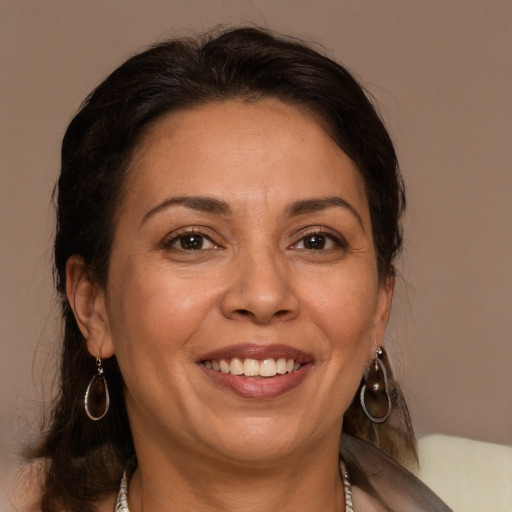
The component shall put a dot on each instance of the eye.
(191, 242)
(319, 241)
(314, 242)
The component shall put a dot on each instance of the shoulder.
(381, 479)
(23, 489)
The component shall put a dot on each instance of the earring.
(375, 399)
(97, 399)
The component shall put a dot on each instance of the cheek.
(153, 312)
(342, 317)
(345, 305)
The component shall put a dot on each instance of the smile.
(249, 367)
(256, 371)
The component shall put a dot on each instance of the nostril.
(258, 300)
(248, 313)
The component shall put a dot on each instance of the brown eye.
(319, 241)
(314, 242)
(191, 242)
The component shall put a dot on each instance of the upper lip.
(257, 351)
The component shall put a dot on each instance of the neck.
(168, 479)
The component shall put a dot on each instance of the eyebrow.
(199, 203)
(305, 206)
(216, 206)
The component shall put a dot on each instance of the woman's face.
(243, 246)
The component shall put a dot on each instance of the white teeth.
(268, 368)
(252, 367)
(236, 367)
(224, 366)
(281, 365)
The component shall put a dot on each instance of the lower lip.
(266, 387)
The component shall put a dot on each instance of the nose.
(261, 289)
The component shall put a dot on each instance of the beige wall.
(441, 71)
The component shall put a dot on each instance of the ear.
(87, 300)
(382, 311)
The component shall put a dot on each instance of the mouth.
(255, 371)
(249, 367)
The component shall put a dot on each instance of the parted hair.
(85, 459)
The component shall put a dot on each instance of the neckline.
(122, 496)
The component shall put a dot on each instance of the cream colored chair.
(470, 476)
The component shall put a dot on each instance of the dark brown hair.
(85, 459)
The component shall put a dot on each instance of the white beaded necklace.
(346, 487)
(122, 497)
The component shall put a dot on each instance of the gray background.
(440, 70)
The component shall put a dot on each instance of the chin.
(261, 440)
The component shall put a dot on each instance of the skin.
(255, 280)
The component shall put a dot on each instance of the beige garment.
(393, 488)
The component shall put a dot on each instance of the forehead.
(238, 150)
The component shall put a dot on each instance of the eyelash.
(324, 237)
(190, 232)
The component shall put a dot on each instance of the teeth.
(268, 368)
(236, 367)
(224, 366)
(281, 365)
(252, 367)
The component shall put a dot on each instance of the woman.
(228, 216)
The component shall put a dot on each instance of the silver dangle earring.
(97, 399)
(375, 399)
